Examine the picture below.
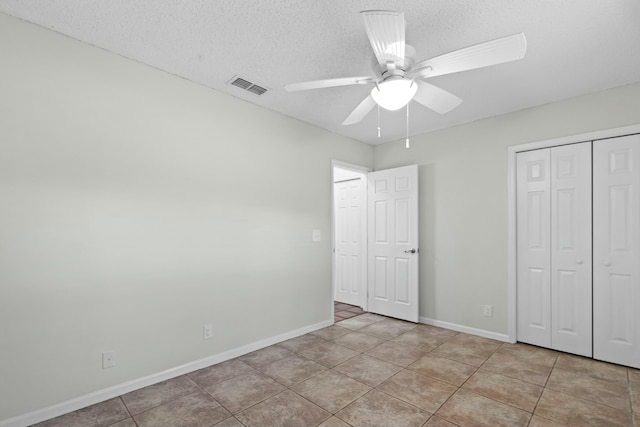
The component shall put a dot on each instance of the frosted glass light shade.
(394, 94)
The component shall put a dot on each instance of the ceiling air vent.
(258, 90)
(247, 85)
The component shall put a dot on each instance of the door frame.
(355, 168)
(511, 188)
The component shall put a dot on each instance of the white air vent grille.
(258, 90)
(247, 85)
(241, 83)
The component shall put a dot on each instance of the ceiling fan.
(398, 80)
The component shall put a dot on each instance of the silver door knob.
(411, 251)
(607, 263)
(579, 261)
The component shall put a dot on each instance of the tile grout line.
(256, 370)
(162, 403)
(516, 378)
(409, 403)
(214, 399)
(633, 418)
(487, 397)
(587, 399)
(128, 411)
(506, 376)
(358, 352)
(544, 388)
(375, 388)
(457, 387)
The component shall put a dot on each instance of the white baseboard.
(465, 329)
(129, 386)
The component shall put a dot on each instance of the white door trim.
(355, 168)
(511, 188)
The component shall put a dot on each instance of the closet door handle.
(607, 263)
(579, 261)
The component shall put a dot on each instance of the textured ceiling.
(574, 47)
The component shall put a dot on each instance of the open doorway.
(375, 239)
(349, 278)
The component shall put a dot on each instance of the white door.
(571, 249)
(393, 242)
(616, 257)
(533, 199)
(350, 240)
(554, 248)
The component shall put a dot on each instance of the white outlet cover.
(207, 331)
(488, 310)
(316, 235)
(108, 359)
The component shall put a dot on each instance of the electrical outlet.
(108, 359)
(207, 331)
(488, 310)
(316, 235)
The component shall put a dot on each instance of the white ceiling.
(574, 47)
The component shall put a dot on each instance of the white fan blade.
(385, 30)
(439, 100)
(493, 52)
(321, 84)
(360, 111)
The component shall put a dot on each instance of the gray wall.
(135, 207)
(463, 198)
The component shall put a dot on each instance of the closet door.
(554, 248)
(616, 257)
(534, 247)
(571, 280)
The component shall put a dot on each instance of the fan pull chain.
(378, 121)
(406, 141)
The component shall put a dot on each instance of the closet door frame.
(512, 226)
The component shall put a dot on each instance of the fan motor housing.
(392, 69)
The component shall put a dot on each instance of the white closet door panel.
(616, 256)
(534, 252)
(571, 249)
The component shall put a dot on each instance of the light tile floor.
(369, 370)
(343, 311)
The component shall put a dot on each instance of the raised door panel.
(354, 271)
(356, 238)
(533, 298)
(380, 279)
(533, 247)
(380, 224)
(616, 256)
(402, 285)
(341, 283)
(571, 249)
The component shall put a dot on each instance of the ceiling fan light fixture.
(393, 94)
